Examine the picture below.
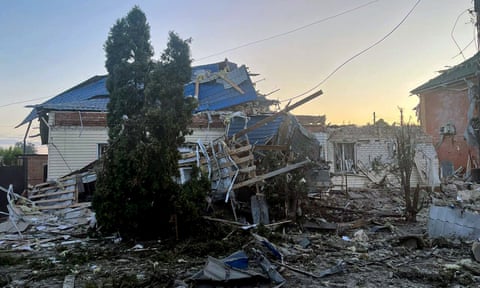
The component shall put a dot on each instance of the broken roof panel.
(217, 86)
(261, 135)
(467, 68)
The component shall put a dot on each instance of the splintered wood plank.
(55, 200)
(248, 169)
(36, 196)
(240, 149)
(240, 160)
(271, 174)
(271, 147)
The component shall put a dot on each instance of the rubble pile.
(354, 239)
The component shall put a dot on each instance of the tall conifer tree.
(148, 115)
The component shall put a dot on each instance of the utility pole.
(476, 8)
(401, 115)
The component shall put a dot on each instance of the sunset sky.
(49, 46)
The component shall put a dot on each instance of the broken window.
(344, 157)
(101, 149)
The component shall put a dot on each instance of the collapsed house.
(73, 123)
(232, 127)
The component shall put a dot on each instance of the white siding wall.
(322, 139)
(330, 156)
(72, 145)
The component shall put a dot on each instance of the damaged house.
(448, 112)
(232, 128)
(364, 156)
(74, 126)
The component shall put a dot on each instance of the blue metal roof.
(214, 92)
(90, 95)
(261, 135)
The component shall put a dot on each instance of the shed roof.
(214, 93)
(467, 68)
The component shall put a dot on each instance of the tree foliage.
(406, 143)
(8, 156)
(148, 115)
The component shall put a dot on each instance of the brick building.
(36, 168)
(447, 107)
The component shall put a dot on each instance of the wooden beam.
(271, 147)
(240, 149)
(270, 174)
(48, 194)
(276, 115)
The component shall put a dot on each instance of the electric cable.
(287, 32)
(356, 55)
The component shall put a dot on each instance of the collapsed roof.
(217, 86)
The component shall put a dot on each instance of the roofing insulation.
(467, 68)
(213, 94)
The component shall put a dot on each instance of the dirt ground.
(361, 231)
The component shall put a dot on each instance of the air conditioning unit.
(448, 129)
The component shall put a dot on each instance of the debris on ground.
(363, 244)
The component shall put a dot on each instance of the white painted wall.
(71, 148)
(366, 150)
(322, 139)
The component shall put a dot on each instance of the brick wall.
(442, 106)
(36, 164)
(87, 119)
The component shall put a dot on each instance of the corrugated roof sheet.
(467, 68)
(217, 94)
(90, 95)
(261, 135)
(214, 93)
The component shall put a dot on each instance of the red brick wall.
(36, 164)
(66, 118)
(442, 106)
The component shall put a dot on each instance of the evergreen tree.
(136, 191)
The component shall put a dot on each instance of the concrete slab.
(454, 222)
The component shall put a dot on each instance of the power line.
(21, 102)
(356, 55)
(453, 30)
(287, 32)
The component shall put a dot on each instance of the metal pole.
(24, 161)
